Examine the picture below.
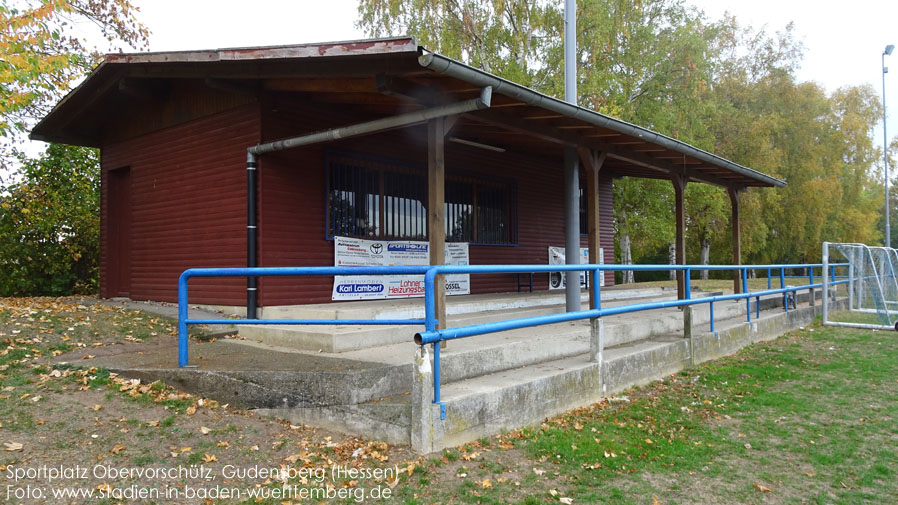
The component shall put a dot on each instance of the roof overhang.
(382, 77)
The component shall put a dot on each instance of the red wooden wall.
(188, 206)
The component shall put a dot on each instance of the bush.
(50, 224)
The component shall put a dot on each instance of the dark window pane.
(584, 223)
(459, 211)
(492, 215)
(405, 214)
(354, 201)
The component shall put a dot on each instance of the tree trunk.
(706, 253)
(626, 258)
(625, 252)
(672, 259)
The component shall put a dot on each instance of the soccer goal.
(871, 282)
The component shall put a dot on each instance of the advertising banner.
(355, 252)
(557, 257)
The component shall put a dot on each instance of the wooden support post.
(735, 224)
(679, 183)
(436, 198)
(592, 162)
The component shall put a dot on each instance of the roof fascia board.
(317, 50)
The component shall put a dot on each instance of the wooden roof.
(383, 77)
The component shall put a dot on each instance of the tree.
(49, 224)
(509, 37)
(41, 54)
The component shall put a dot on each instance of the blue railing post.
(768, 278)
(812, 301)
(688, 287)
(430, 324)
(783, 286)
(596, 288)
(711, 305)
(182, 319)
(744, 291)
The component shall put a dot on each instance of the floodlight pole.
(571, 164)
(885, 142)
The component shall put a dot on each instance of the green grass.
(808, 418)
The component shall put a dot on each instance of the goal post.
(870, 282)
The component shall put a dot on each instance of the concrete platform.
(490, 382)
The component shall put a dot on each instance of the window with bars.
(379, 199)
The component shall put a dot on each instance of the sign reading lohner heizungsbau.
(355, 252)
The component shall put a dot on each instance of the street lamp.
(885, 140)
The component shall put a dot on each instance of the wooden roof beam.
(552, 134)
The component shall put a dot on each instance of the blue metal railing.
(433, 335)
(183, 320)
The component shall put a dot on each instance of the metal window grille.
(370, 198)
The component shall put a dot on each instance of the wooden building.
(174, 129)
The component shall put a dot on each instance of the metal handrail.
(433, 335)
(183, 320)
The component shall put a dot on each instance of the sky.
(843, 41)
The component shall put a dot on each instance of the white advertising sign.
(557, 257)
(355, 252)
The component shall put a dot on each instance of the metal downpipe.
(252, 291)
(389, 123)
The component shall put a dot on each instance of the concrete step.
(344, 338)
(513, 398)
(413, 308)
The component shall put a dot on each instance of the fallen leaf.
(485, 484)
(553, 492)
(809, 473)
(204, 430)
(393, 483)
(13, 446)
(117, 449)
(209, 458)
(762, 488)
(191, 410)
(655, 501)
(96, 407)
(566, 501)
(537, 471)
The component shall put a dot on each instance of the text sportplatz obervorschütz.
(78, 482)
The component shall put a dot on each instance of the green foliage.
(49, 224)
(40, 56)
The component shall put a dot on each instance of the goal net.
(870, 283)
